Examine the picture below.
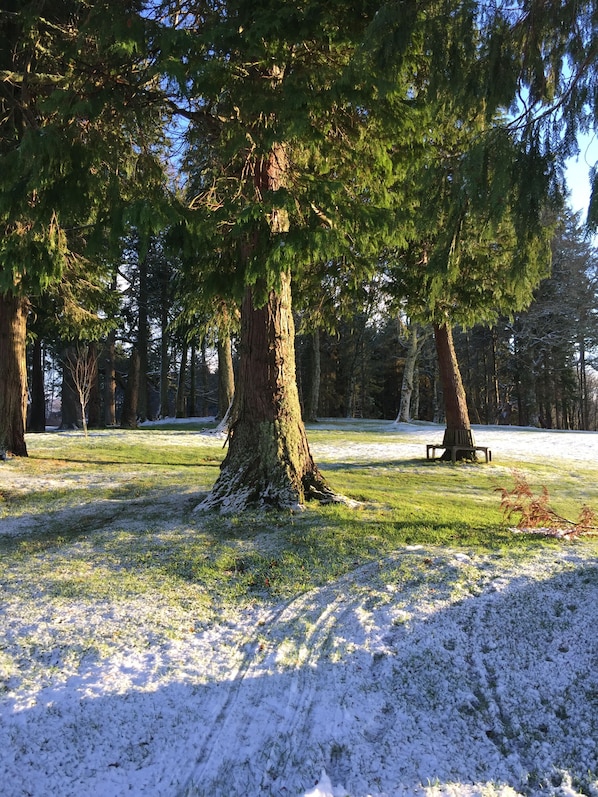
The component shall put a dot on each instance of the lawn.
(149, 649)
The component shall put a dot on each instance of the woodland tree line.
(538, 367)
(355, 208)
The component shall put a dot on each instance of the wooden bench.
(431, 447)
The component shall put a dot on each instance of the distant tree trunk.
(205, 379)
(164, 348)
(129, 413)
(110, 381)
(37, 410)
(192, 402)
(315, 376)
(458, 427)
(413, 348)
(164, 375)
(583, 385)
(181, 395)
(268, 462)
(226, 376)
(13, 384)
(414, 407)
(143, 342)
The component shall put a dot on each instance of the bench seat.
(431, 448)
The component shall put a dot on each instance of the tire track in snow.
(283, 684)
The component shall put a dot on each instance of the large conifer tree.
(76, 124)
(291, 167)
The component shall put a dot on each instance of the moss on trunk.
(13, 383)
(269, 463)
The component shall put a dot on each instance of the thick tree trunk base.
(13, 380)
(266, 468)
(458, 437)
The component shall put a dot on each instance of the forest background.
(168, 168)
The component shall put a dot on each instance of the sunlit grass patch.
(109, 529)
(140, 447)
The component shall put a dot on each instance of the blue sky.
(578, 172)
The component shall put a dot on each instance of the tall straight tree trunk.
(583, 385)
(37, 410)
(110, 371)
(13, 381)
(192, 403)
(315, 378)
(458, 427)
(110, 381)
(181, 394)
(129, 413)
(226, 376)
(404, 415)
(205, 380)
(164, 348)
(143, 342)
(268, 463)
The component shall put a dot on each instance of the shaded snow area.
(480, 678)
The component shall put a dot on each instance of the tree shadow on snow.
(501, 687)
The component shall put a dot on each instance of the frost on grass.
(398, 679)
(431, 672)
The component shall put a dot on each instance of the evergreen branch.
(524, 120)
(32, 78)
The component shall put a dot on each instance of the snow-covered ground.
(478, 678)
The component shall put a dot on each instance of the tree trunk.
(268, 463)
(13, 384)
(37, 410)
(129, 414)
(192, 411)
(226, 376)
(458, 428)
(404, 415)
(205, 380)
(110, 381)
(181, 396)
(164, 349)
(143, 342)
(315, 377)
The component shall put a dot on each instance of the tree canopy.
(321, 140)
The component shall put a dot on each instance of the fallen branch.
(536, 514)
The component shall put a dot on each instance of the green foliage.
(31, 256)
(482, 240)
(76, 135)
(282, 76)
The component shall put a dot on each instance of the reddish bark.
(458, 428)
(268, 461)
(13, 375)
(455, 402)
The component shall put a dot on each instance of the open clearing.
(412, 646)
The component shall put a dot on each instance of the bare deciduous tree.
(83, 368)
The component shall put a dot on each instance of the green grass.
(111, 518)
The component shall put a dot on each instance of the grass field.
(102, 557)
